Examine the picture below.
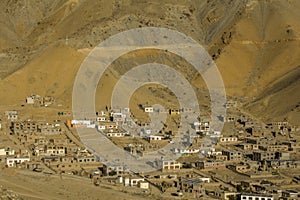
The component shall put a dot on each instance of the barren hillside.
(254, 43)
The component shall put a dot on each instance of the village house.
(174, 111)
(274, 148)
(228, 139)
(119, 116)
(25, 127)
(194, 186)
(64, 167)
(143, 184)
(38, 149)
(57, 140)
(226, 194)
(103, 113)
(13, 162)
(218, 157)
(278, 125)
(248, 146)
(107, 126)
(152, 138)
(256, 197)
(187, 151)
(47, 128)
(209, 165)
(168, 165)
(115, 134)
(30, 100)
(148, 109)
(11, 115)
(111, 169)
(29, 127)
(256, 131)
(229, 119)
(47, 100)
(233, 155)
(260, 141)
(85, 159)
(202, 127)
(283, 164)
(134, 149)
(133, 181)
(101, 119)
(290, 195)
(249, 125)
(34, 99)
(292, 145)
(263, 155)
(231, 104)
(7, 152)
(81, 123)
(241, 167)
(216, 153)
(40, 139)
(67, 159)
(54, 150)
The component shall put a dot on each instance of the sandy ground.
(30, 185)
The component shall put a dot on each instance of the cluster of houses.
(249, 152)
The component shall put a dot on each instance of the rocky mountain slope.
(255, 44)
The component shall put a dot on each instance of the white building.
(101, 127)
(135, 181)
(115, 134)
(256, 197)
(101, 119)
(11, 162)
(187, 151)
(7, 152)
(148, 109)
(30, 100)
(205, 180)
(82, 123)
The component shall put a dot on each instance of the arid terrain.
(254, 43)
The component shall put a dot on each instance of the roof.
(257, 195)
(191, 181)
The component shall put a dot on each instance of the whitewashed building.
(12, 162)
(148, 109)
(256, 197)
